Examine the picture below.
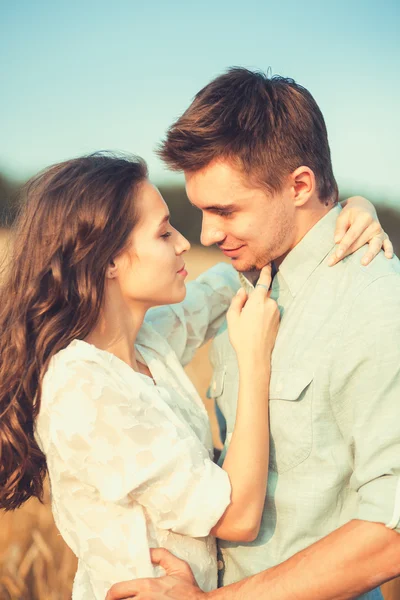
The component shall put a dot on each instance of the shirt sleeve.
(135, 446)
(189, 324)
(365, 394)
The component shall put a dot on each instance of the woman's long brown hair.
(77, 216)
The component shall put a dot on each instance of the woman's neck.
(117, 329)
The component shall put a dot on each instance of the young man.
(257, 163)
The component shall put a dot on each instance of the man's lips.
(230, 251)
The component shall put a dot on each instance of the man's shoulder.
(374, 290)
(387, 271)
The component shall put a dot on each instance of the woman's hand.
(253, 321)
(357, 225)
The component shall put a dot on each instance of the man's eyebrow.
(221, 207)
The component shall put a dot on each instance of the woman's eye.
(167, 235)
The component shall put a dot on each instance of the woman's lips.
(182, 272)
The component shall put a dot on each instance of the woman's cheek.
(166, 255)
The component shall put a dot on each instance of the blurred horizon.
(84, 77)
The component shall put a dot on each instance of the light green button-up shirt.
(334, 402)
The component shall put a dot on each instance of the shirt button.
(220, 565)
(214, 386)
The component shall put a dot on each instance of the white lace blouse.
(130, 462)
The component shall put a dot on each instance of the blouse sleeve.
(136, 447)
(188, 325)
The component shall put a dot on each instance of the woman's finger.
(349, 219)
(366, 236)
(374, 248)
(388, 247)
(237, 303)
(265, 278)
(342, 225)
(357, 235)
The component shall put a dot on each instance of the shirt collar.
(309, 253)
(248, 280)
(302, 261)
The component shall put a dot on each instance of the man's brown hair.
(266, 126)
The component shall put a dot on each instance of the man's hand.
(178, 583)
(358, 224)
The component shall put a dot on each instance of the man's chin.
(243, 266)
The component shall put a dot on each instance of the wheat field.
(35, 563)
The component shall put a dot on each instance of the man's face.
(248, 225)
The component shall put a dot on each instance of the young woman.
(93, 394)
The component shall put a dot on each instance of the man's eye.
(167, 235)
(223, 213)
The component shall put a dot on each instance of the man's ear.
(303, 185)
(111, 272)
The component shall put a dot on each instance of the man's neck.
(308, 217)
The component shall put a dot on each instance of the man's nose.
(211, 235)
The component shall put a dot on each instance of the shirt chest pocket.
(290, 409)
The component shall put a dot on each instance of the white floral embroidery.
(130, 462)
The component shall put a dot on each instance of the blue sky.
(89, 75)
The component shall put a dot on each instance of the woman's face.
(151, 271)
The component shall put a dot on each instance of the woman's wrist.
(254, 363)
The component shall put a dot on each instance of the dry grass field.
(35, 564)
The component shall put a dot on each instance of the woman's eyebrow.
(165, 219)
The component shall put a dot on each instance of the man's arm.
(345, 564)
(350, 561)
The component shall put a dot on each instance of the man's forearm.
(350, 561)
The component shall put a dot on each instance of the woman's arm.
(252, 324)
(123, 444)
(191, 323)
(357, 225)
(247, 458)
(120, 446)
